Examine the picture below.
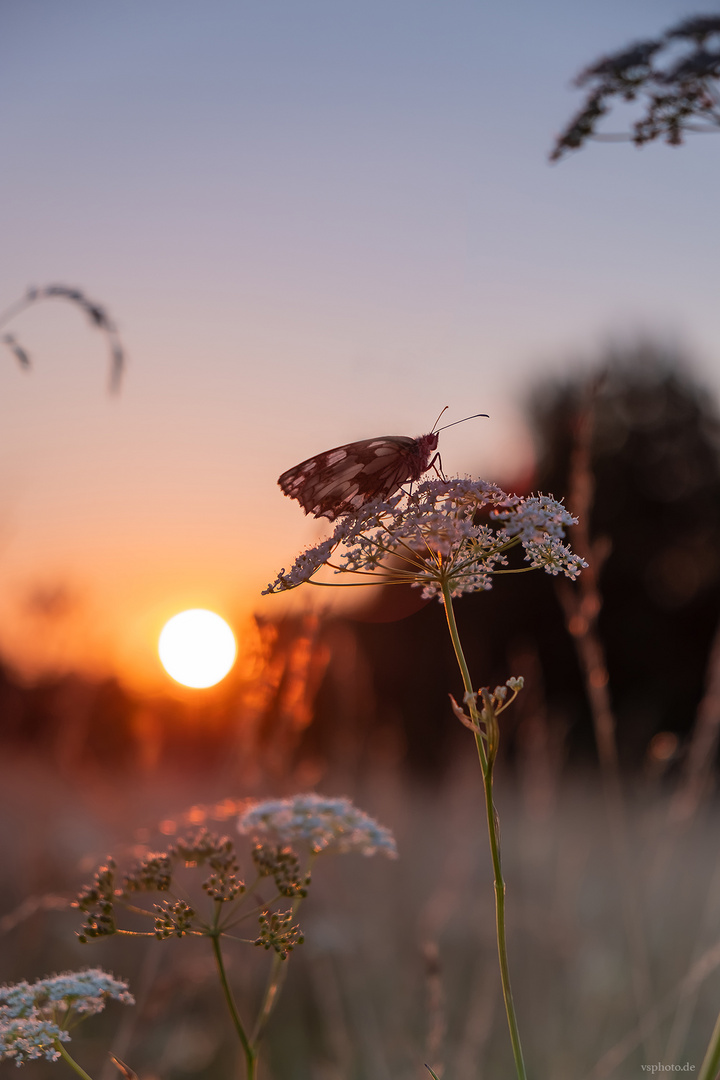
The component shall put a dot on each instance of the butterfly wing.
(341, 480)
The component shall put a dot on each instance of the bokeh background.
(312, 223)
(316, 222)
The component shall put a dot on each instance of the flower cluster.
(448, 535)
(24, 1038)
(97, 902)
(218, 852)
(279, 932)
(325, 824)
(282, 864)
(155, 873)
(483, 711)
(152, 874)
(173, 920)
(34, 1017)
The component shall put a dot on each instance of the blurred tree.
(655, 460)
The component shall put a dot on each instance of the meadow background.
(314, 223)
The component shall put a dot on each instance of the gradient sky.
(313, 221)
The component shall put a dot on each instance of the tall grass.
(399, 965)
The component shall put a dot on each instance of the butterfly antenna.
(473, 417)
(438, 419)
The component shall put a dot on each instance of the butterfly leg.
(435, 464)
(437, 467)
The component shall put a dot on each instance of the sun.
(197, 648)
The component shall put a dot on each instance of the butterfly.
(341, 480)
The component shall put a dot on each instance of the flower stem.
(487, 755)
(711, 1062)
(249, 1049)
(272, 990)
(71, 1061)
(278, 972)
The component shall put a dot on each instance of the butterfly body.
(341, 480)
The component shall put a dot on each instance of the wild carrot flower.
(447, 537)
(35, 1017)
(25, 1038)
(326, 824)
(452, 534)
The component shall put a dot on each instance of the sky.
(313, 221)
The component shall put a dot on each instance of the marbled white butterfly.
(341, 480)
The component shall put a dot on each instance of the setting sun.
(197, 648)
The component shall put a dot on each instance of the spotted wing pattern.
(341, 480)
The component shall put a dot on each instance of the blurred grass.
(399, 965)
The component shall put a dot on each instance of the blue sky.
(313, 222)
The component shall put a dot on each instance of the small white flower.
(535, 517)
(25, 1038)
(432, 539)
(326, 824)
(31, 1014)
(85, 992)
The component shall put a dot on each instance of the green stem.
(276, 979)
(249, 1049)
(71, 1061)
(486, 764)
(711, 1062)
(278, 974)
